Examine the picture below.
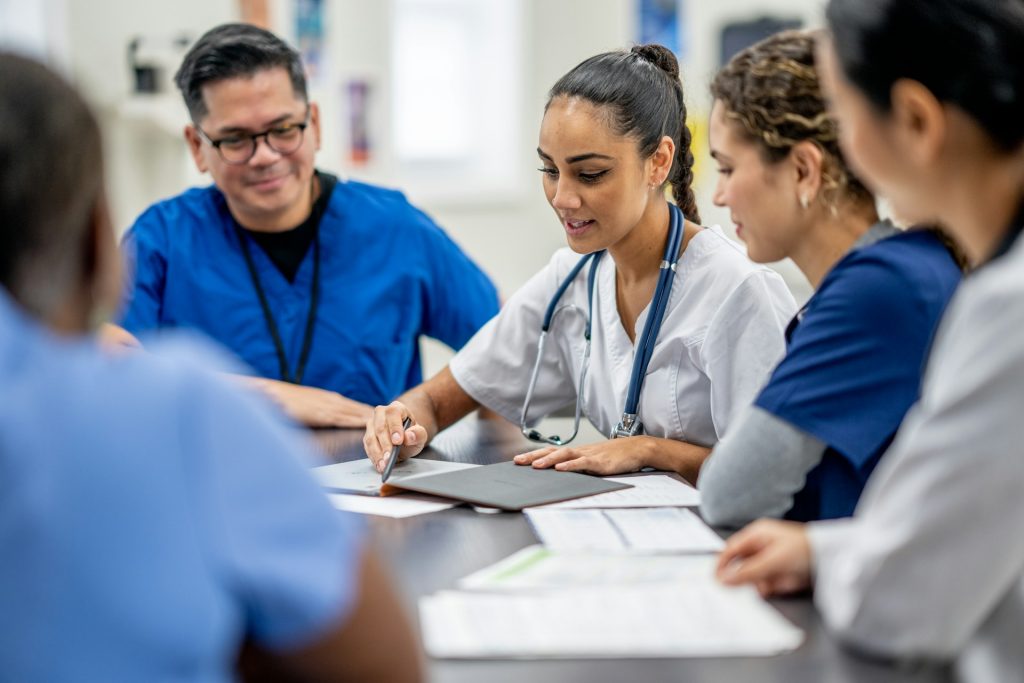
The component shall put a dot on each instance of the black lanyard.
(314, 301)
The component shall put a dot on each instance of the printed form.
(647, 530)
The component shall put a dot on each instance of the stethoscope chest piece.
(628, 426)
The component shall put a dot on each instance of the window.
(456, 99)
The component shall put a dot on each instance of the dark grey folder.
(509, 486)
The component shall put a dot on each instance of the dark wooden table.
(431, 552)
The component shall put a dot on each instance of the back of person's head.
(234, 51)
(772, 91)
(641, 91)
(968, 53)
(50, 185)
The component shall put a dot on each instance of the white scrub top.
(722, 334)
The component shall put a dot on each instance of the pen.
(393, 458)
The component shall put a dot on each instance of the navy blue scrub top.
(855, 360)
(388, 274)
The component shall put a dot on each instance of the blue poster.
(309, 33)
(659, 23)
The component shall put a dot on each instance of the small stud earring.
(804, 202)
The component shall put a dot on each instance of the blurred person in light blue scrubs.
(323, 286)
(153, 518)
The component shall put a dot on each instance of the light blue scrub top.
(388, 275)
(151, 516)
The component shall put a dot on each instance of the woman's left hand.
(615, 456)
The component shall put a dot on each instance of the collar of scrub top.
(629, 425)
(882, 230)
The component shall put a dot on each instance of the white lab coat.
(722, 334)
(932, 564)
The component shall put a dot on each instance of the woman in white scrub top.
(612, 136)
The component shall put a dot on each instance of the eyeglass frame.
(254, 139)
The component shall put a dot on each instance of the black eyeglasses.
(240, 148)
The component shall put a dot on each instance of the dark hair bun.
(660, 56)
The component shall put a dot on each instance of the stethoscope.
(629, 425)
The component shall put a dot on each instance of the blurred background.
(439, 98)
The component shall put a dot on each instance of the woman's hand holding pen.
(775, 556)
(384, 431)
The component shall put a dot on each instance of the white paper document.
(696, 618)
(359, 476)
(404, 505)
(649, 490)
(646, 530)
(538, 568)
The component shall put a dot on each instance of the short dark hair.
(233, 51)
(969, 53)
(50, 181)
(644, 97)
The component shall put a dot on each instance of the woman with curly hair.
(856, 351)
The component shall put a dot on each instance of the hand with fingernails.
(384, 431)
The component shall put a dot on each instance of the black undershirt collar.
(287, 248)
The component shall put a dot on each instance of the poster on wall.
(255, 12)
(357, 91)
(309, 36)
(659, 22)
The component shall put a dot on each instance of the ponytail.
(643, 93)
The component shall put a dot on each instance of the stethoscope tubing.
(648, 338)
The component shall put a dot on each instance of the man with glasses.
(322, 286)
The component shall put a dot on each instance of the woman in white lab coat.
(613, 134)
(930, 101)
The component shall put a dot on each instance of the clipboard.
(508, 486)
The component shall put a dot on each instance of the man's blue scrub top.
(854, 362)
(152, 516)
(388, 274)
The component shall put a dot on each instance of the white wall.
(705, 21)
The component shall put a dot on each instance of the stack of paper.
(620, 582)
(539, 568)
(651, 530)
(404, 505)
(698, 617)
(649, 490)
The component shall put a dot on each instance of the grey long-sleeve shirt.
(756, 469)
(932, 564)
